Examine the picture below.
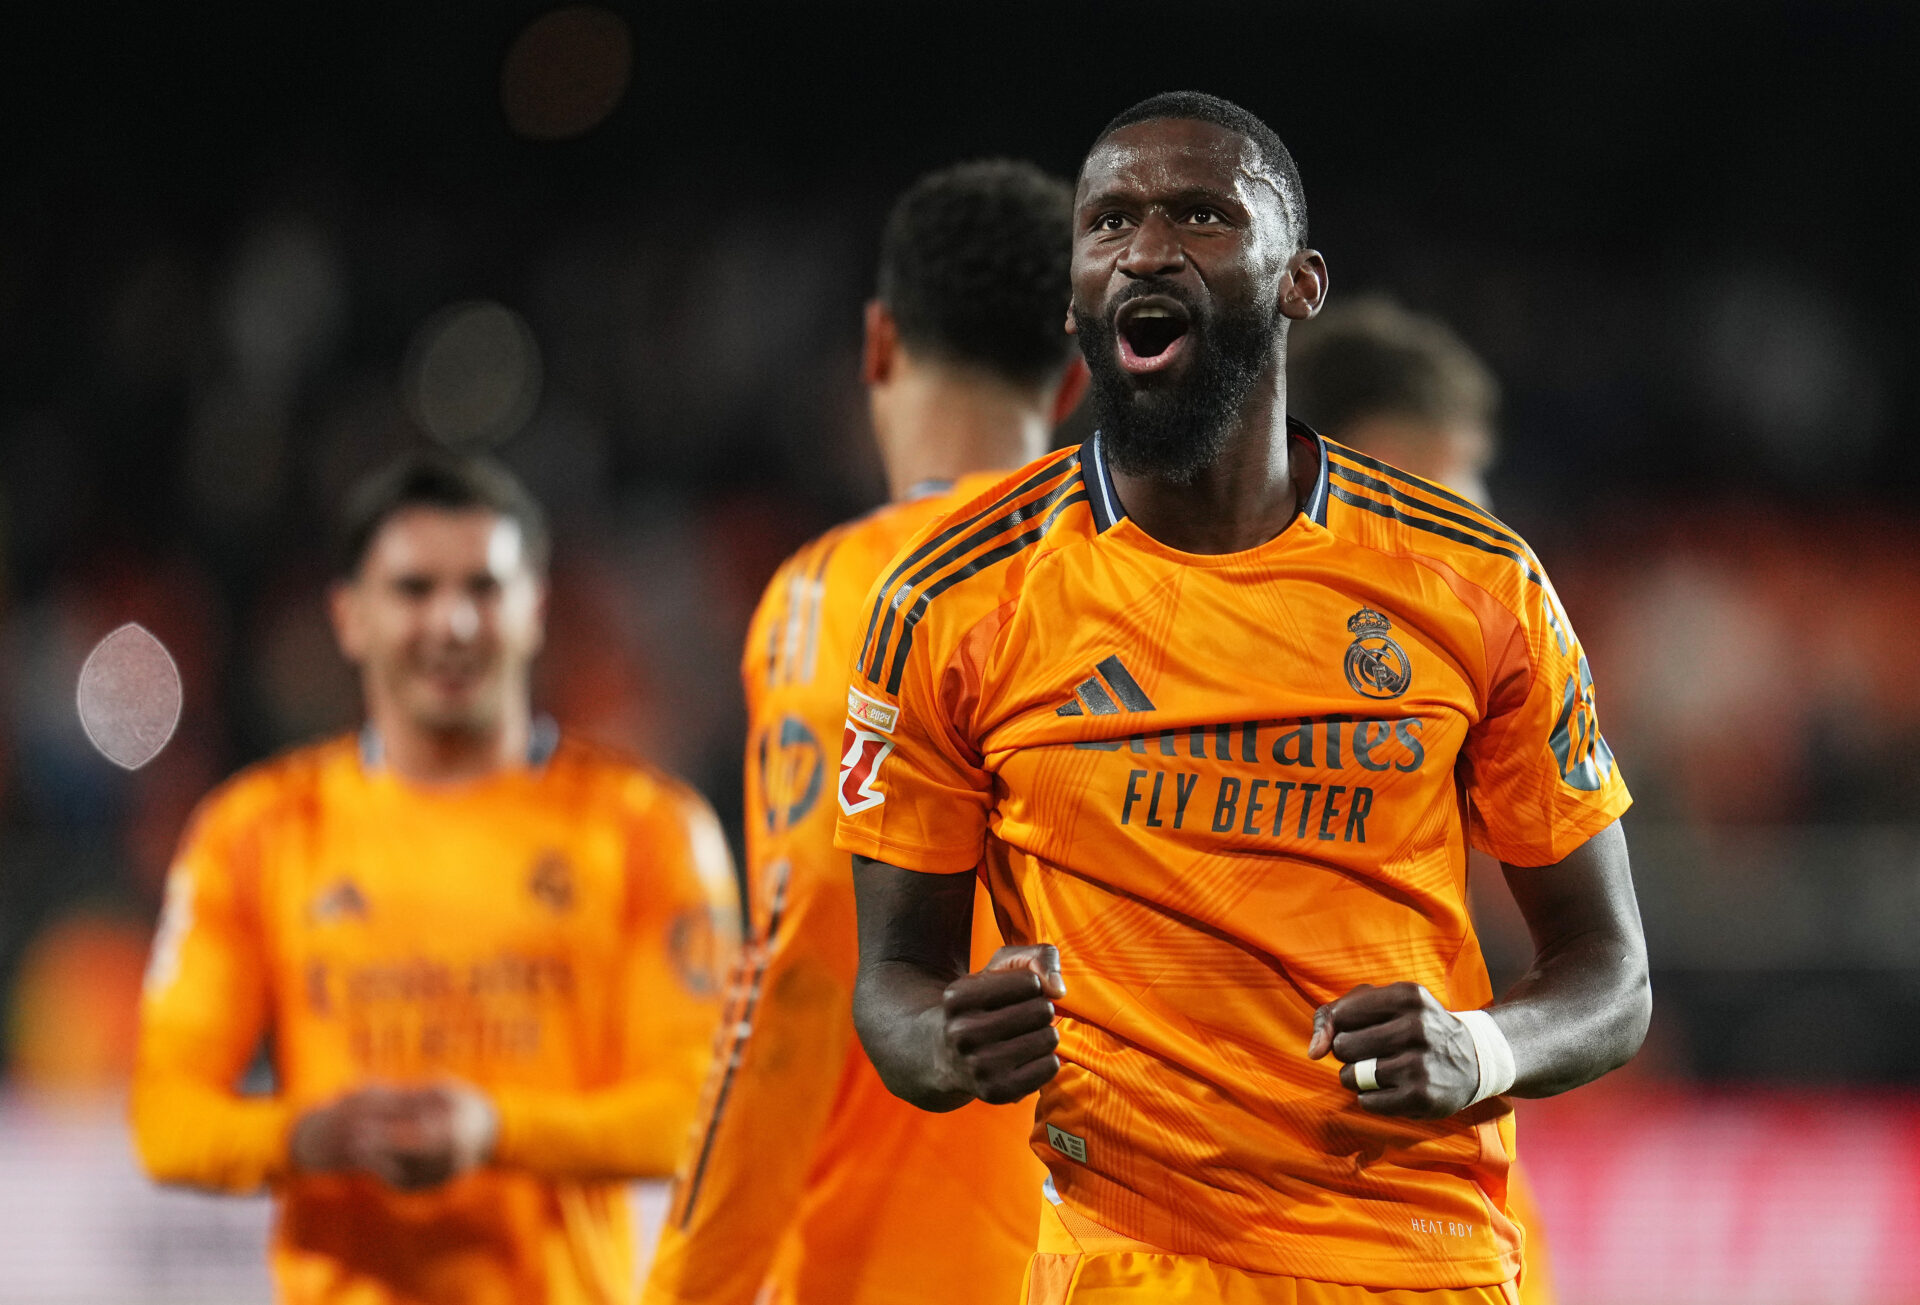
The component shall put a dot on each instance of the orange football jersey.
(1229, 789)
(810, 1181)
(553, 934)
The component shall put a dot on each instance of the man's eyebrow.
(1108, 198)
(1113, 198)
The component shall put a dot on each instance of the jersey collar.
(543, 739)
(1107, 510)
(926, 489)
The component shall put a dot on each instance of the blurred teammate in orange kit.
(812, 1184)
(1404, 388)
(485, 955)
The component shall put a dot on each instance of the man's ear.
(1072, 388)
(1306, 285)
(343, 607)
(881, 346)
(1073, 327)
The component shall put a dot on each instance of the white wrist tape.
(1495, 1054)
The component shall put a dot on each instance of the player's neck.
(936, 425)
(1246, 497)
(439, 757)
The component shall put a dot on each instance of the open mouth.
(1151, 331)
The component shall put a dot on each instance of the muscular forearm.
(1581, 1011)
(915, 930)
(1583, 1007)
(897, 1009)
(939, 1036)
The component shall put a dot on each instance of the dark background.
(229, 234)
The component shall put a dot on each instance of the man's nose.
(1155, 249)
(457, 617)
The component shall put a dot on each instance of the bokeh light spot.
(566, 72)
(129, 697)
(473, 374)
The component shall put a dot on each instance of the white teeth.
(1154, 312)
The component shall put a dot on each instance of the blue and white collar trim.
(543, 740)
(1105, 500)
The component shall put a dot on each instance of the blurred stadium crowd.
(1707, 436)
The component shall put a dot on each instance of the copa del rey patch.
(871, 712)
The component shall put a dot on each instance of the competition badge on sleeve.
(864, 745)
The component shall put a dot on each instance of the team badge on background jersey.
(1377, 667)
(551, 881)
(339, 900)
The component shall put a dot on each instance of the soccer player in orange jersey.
(485, 956)
(1402, 387)
(811, 1184)
(1216, 706)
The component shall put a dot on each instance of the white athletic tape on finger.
(1491, 1048)
(1363, 1074)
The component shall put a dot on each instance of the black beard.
(1172, 432)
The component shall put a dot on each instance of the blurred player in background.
(1406, 389)
(485, 956)
(1215, 706)
(1399, 386)
(810, 1181)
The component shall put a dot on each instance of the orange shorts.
(1080, 1262)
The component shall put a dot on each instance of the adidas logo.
(1096, 698)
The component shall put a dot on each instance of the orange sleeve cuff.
(633, 1131)
(202, 1138)
(1568, 835)
(907, 856)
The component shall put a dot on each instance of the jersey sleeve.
(203, 1011)
(912, 789)
(681, 933)
(1541, 779)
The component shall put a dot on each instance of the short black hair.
(446, 481)
(1198, 106)
(1373, 358)
(974, 268)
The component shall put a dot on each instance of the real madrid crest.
(1377, 667)
(551, 881)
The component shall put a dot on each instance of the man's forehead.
(453, 538)
(1173, 154)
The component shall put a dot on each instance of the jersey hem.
(1395, 1272)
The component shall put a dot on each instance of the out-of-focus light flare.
(472, 374)
(566, 72)
(129, 697)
